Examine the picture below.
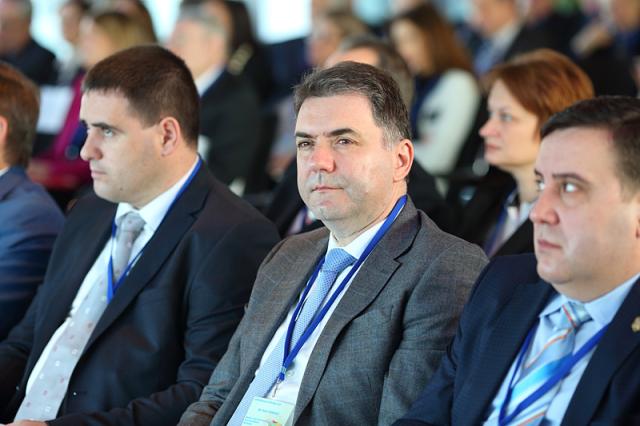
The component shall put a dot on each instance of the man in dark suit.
(149, 278)
(29, 218)
(18, 48)
(229, 110)
(390, 307)
(555, 339)
(503, 33)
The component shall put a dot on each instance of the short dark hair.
(387, 106)
(618, 115)
(389, 60)
(19, 105)
(156, 83)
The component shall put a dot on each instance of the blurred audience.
(138, 11)
(503, 33)
(608, 64)
(18, 48)
(447, 96)
(71, 14)
(29, 218)
(229, 109)
(524, 93)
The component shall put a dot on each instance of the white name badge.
(269, 412)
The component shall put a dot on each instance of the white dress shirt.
(153, 213)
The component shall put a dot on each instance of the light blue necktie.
(539, 367)
(335, 262)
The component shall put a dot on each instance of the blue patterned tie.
(539, 367)
(335, 262)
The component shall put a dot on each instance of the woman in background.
(447, 96)
(523, 94)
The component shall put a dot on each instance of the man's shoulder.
(19, 192)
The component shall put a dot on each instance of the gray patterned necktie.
(335, 262)
(47, 392)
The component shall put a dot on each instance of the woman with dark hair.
(523, 94)
(447, 95)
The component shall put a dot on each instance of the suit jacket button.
(74, 393)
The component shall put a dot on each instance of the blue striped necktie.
(539, 367)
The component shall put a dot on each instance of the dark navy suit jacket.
(29, 222)
(502, 309)
(161, 336)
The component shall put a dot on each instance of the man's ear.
(403, 151)
(171, 135)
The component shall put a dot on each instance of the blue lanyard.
(562, 371)
(112, 287)
(290, 354)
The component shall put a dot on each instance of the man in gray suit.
(359, 352)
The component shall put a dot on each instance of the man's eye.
(569, 187)
(343, 141)
(108, 132)
(303, 144)
(539, 185)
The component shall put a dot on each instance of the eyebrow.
(333, 133)
(559, 176)
(100, 125)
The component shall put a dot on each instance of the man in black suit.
(229, 110)
(503, 33)
(149, 278)
(18, 48)
(555, 338)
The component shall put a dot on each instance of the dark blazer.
(502, 309)
(169, 323)
(230, 120)
(382, 342)
(29, 222)
(529, 39)
(36, 62)
(286, 202)
(480, 215)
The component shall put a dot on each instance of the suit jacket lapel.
(170, 232)
(503, 343)
(373, 276)
(616, 344)
(289, 277)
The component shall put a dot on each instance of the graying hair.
(382, 92)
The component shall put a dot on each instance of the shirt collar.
(356, 247)
(602, 309)
(153, 212)
(206, 79)
(503, 38)
(4, 171)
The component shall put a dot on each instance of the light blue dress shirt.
(602, 310)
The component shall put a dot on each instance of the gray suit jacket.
(382, 342)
